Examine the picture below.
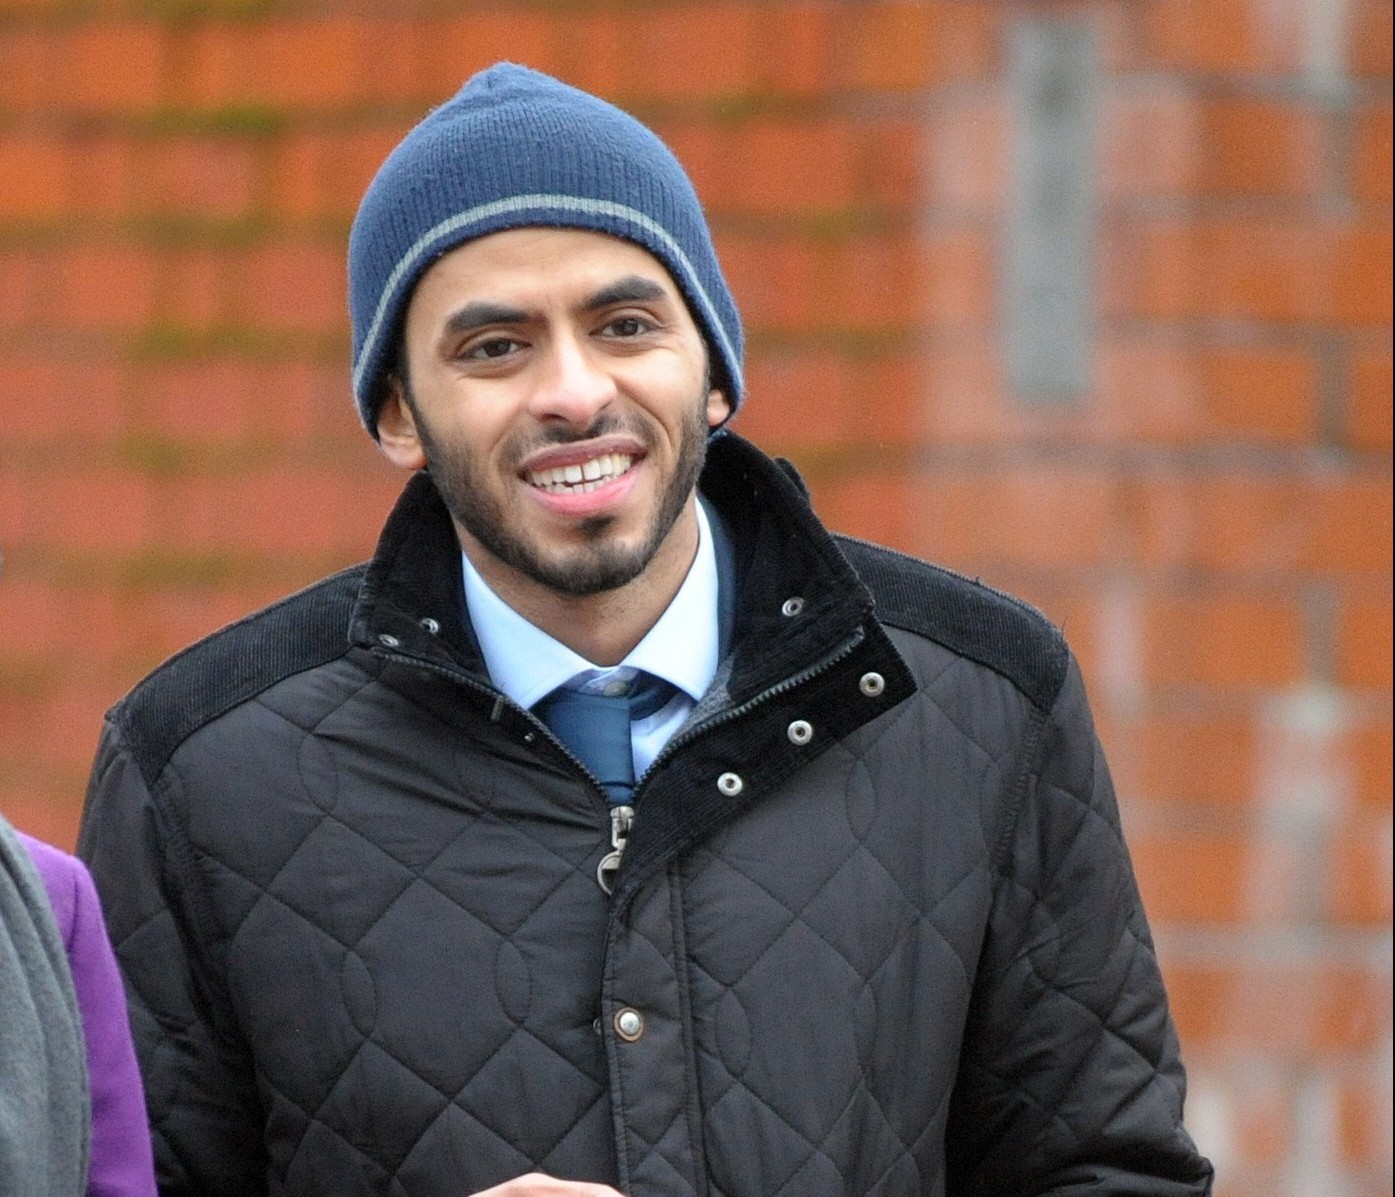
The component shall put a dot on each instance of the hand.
(535, 1184)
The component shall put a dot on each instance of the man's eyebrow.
(481, 314)
(633, 288)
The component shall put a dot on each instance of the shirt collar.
(527, 664)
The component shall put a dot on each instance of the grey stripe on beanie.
(516, 149)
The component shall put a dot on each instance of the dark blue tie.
(596, 727)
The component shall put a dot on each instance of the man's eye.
(628, 326)
(492, 348)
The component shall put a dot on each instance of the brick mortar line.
(1243, 946)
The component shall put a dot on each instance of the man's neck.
(601, 627)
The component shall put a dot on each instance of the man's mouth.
(581, 477)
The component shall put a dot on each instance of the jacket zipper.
(622, 818)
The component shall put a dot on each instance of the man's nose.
(573, 385)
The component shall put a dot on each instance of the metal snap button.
(792, 607)
(387, 640)
(730, 784)
(799, 732)
(629, 1024)
(872, 684)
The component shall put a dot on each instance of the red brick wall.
(1211, 523)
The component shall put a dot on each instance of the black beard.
(594, 568)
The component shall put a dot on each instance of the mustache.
(605, 424)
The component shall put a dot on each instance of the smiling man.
(617, 829)
(558, 390)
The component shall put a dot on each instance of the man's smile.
(579, 478)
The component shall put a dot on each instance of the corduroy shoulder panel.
(992, 628)
(234, 664)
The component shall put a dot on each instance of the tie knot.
(645, 692)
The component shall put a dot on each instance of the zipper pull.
(621, 820)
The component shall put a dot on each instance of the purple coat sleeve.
(122, 1163)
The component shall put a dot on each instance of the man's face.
(557, 388)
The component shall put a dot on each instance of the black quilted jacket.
(875, 927)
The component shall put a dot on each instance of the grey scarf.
(44, 1116)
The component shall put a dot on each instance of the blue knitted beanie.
(515, 148)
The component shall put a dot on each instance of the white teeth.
(584, 477)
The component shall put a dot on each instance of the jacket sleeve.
(1070, 1081)
(200, 1089)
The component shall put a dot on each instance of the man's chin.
(588, 574)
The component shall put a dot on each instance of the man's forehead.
(528, 267)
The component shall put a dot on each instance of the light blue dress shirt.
(682, 647)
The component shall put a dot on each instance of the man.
(396, 915)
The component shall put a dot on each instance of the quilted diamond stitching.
(813, 1146)
(411, 876)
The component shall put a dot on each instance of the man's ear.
(397, 429)
(718, 408)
